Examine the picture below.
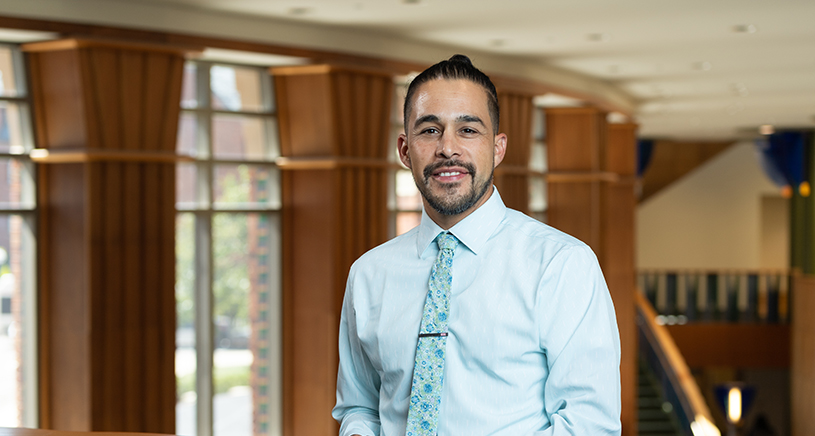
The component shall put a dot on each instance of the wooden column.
(106, 114)
(591, 197)
(617, 230)
(334, 127)
(574, 140)
(512, 176)
(802, 368)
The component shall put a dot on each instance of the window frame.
(28, 214)
(204, 210)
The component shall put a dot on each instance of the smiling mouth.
(451, 171)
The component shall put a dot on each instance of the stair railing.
(746, 296)
(666, 362)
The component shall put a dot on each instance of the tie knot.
(446, 241)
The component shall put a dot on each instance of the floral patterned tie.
(428, 371)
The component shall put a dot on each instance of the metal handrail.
(679, 386)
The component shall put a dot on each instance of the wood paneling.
(721, 344)
(617, 230)
(670, 160)
(108, 258)
(575, 139)
(516, 122)
(333, 212)
(802, 370)
(591, 196)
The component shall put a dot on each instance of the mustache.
(430, 169)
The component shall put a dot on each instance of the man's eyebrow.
(426, 119)
(430, 118)
(470, 119)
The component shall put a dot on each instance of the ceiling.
(691, 69)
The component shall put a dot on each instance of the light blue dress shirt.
(533, 346)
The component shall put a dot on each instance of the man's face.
(450, 147)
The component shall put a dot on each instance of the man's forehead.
(448, 93)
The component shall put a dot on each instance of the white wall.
(711, 218)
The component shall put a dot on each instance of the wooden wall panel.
(511, 177)
(591, 196)
(671, 160)
(64, 342)
(334, 125)
(724, 345)
(802, 370)
(574, 137)
(617, 229)
(575, 143)
(123, 378)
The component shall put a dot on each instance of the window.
(18, 365)
(538, 166)
(405, 201)
(227, 249)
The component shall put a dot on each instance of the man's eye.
(430, 130)
(469, 130)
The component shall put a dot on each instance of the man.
(481, 320)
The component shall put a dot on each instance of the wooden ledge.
(581, 176)
(78, 43)
(332, 163)
(300, 70)
(55, 156)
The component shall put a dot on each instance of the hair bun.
(460, 58)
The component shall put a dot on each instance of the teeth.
(449, 173)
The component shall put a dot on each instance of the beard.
(449, 202)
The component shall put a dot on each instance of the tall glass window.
(228, 363)
(18, 359)
(538, 166)
(405, 201)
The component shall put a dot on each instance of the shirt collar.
(473, 231)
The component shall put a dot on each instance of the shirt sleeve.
(579, 335)
(357, 408)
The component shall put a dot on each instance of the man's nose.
(448, 145)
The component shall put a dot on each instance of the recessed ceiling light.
(299, 10)
(741, 89)
(733, 109)
(703, 66)
(599, 37)
(745, 28)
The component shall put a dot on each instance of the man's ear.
(500, 148)
(402, 148)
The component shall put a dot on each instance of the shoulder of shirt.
(386, 251)
(532, 229)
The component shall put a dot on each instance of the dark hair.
(457, 67)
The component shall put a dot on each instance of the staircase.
(655, 416)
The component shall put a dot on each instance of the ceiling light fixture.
(741, 89)
(599, 37)
(766, 129)
(745, 28)
(299, 11)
